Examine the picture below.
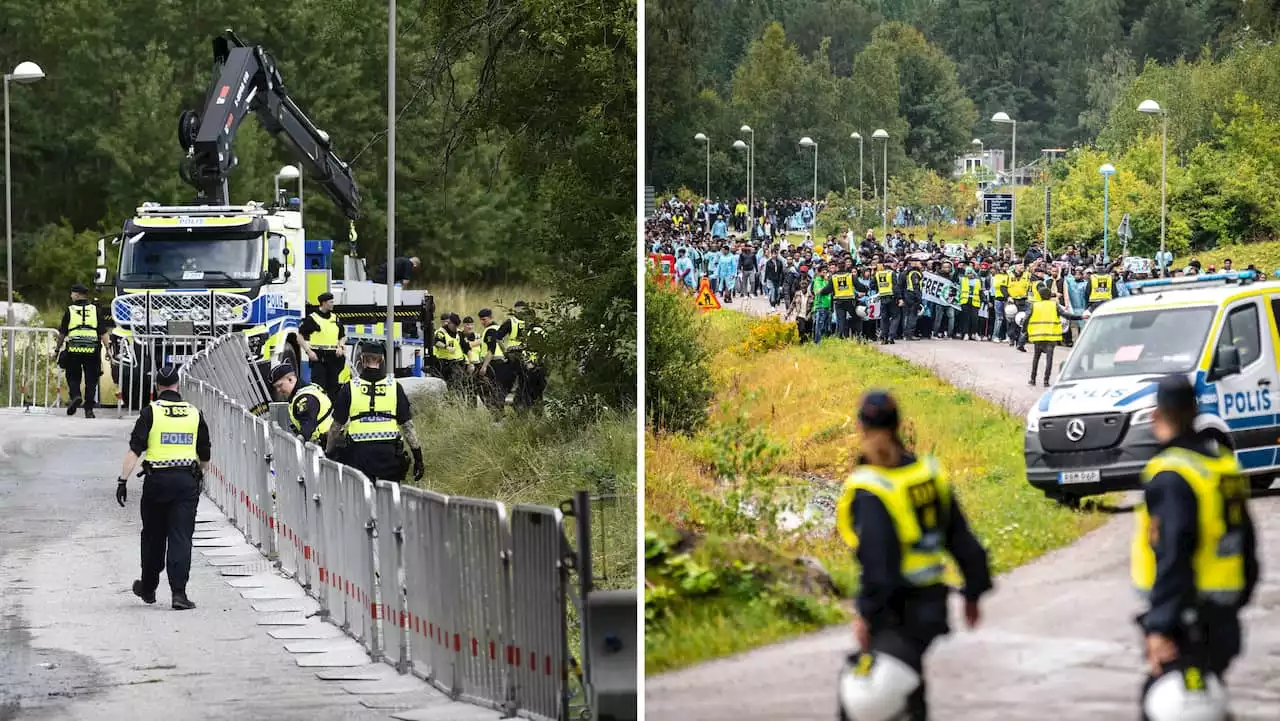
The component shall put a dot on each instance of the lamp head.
(739, 145)
(26, 72)
(1107, 169)
(700, 137)
(881, 134)
(1150, 107)
(745, 129)
(807, 141)
(856, 136)
(977, 142)
(1001, 117)
(288, 172)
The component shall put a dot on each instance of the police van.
(1091, 432)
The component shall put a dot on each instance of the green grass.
(1265, 255)
(803, 399)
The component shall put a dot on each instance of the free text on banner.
(937, 289)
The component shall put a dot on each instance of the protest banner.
(937, 289)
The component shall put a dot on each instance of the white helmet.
(861, 312)
(1186, 695)
(1020, 318)
(876, 686)
(1010, 310)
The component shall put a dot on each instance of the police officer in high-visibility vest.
(372, 420)
(885, 286)
(493, 364)
(844, 300)
(1000, 293)
(1019, 286)
(1100, 288)
(1194, 558)
(321, 337)
(970, 301)
(84, 331)
(173, 438)
(912, 280)
(310, 410)
(451, 352)
(900, 514)
(531, 377)
(1044, 330)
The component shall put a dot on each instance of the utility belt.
(192, 467)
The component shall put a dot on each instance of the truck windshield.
(1168, 340)
(224, 258)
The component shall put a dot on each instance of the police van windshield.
(225, 258)
(1167, 340)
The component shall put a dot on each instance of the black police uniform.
(82, 360)
(501, 373)
(169, 498)
(305, 411)
(327, 366)
(383, 460)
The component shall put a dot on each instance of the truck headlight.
(1143, 416)
(1033, 422)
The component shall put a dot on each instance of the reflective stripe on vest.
(327, 337)
(1222, 493)
(172, 440)
(918, 499)
(1099, 288)
(884, 282)
(324, 414)
(373, 411)
(452, 350)
(1018, 288)
(82, 328)
(843, 285)
(1044, 325)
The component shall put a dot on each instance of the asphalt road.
(1057, 641)
(75, 644)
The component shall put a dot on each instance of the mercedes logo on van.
(1075, 430)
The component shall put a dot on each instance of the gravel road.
(1057, 641)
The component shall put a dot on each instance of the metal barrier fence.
(467, 594)
(29, 371)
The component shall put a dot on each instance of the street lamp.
(740, 145)
(26, 72)
(751, 180)
(882, 134)
(702, 138)
(977, 142)
(858, 137)
(1151, 107)
(1107, 170)
(1003, 117)
(807, 141)
(287, 174)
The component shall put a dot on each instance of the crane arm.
(246, 79)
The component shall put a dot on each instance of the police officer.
(530, 374)
(912, 297)
(844, 300)
(1019, 287)
(888, 304)
(901, 515)
(321, 339)
(175, 440)
(373, 416)
(493, 364)
(1044, 330)
(310, 410)
(1194, 554)
(84, 331)
(1099, 288)
(451, 352)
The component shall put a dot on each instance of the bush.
(677, 376)
(768, 334)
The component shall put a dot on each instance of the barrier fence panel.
(481, 628)
(287, 456)
(31, 377)
(329, 549)
(431, 583)
(140, 356)
(539, 581)
(313, 542)
(357, 539)
(391, 616)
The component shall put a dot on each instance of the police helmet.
(875, 686)
(1186, 694)
(372, 348)
(1010, 310)
(1020, 318)
(861, 312)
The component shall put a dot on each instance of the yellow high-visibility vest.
(172, 440)
(373, 411)
(1044, 325)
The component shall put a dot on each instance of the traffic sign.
(1124, 230)
(997, 206)
(706, 298)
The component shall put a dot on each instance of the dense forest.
(515, 137)
(930, 72)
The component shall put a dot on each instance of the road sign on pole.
(997, 207)
(706, 298)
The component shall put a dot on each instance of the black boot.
(182, 603)
(74, 406)
(1031, 382)
(88, 413)
(147, 598)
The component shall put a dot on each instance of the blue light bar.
(1235, 275)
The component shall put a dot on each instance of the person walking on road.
(900, 514)
(1194, 558)
(84, 331)
(173, 437)
(372, 416)
(1044, 330)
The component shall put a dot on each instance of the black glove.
(122, 492)
(419, 468)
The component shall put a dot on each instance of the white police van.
(1091, 432)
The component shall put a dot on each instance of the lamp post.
(742, 145)
(977, 142)
(806, 142)
(858, 137)
(26, 72)
(882, 134)
(1151, 107)
(702, 138)
(751, 179)
(1003, 117)
(1107, 170)
(391, 188)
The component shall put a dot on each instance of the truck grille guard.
(198, 312)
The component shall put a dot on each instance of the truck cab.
(1090, 433)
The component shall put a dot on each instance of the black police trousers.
(325, 370)
(1222, 638)
(169, 500)
(377, 460)
(500, 378)
(84, 367)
